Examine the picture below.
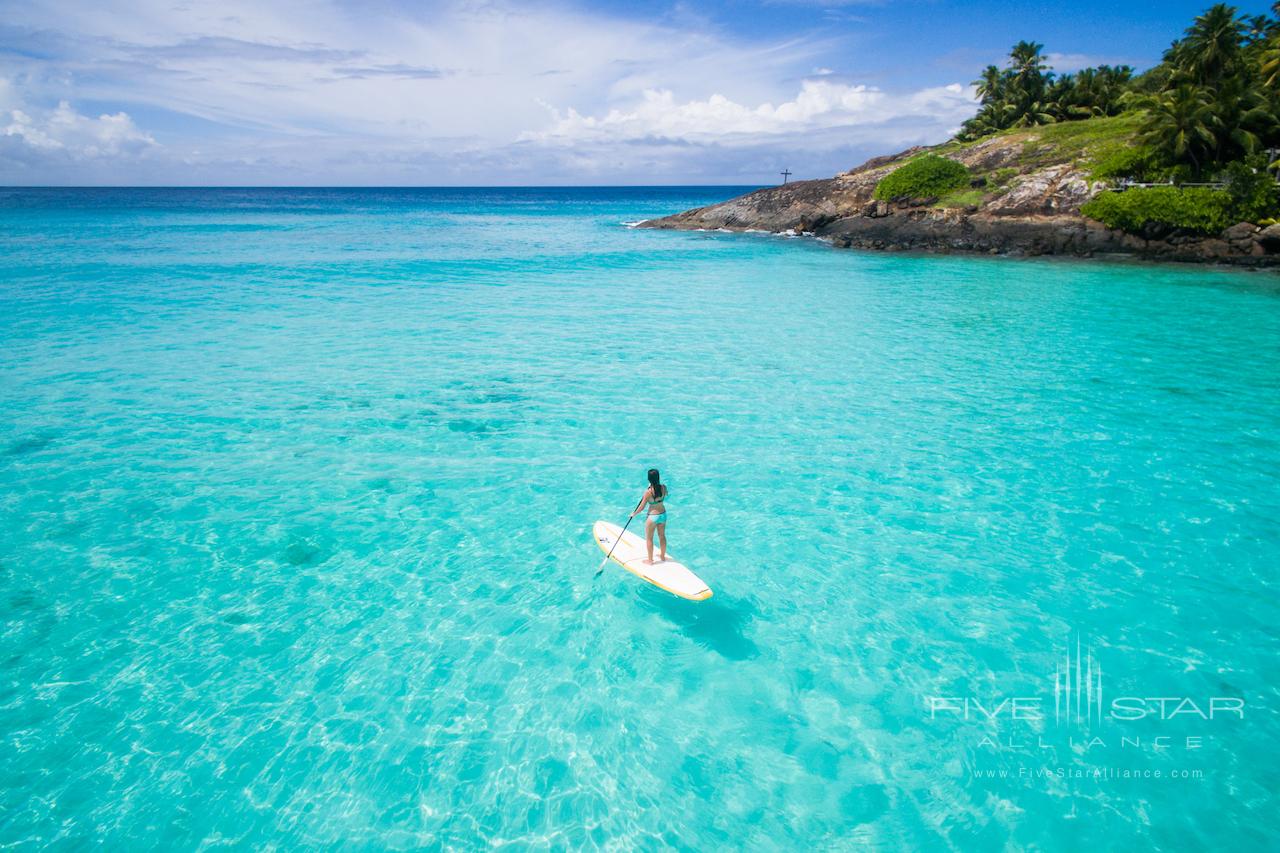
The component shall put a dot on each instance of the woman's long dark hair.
(658, 489)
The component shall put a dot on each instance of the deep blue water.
(296, 489)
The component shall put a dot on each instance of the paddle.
(600, 570)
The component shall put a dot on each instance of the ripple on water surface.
(296, 491)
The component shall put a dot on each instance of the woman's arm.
(644, 500)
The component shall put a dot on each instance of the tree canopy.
(1213, 100)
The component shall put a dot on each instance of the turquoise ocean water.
(296, 489)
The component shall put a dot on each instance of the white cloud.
(66, 131)
(458, 70)
(818, 105)
(1067, 62)
(318, 91)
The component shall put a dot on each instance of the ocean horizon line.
(375, 186)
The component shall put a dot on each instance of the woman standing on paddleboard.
(655, 498)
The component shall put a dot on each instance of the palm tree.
(1269, 65)
(1243, 116)
(1025, 104)
(1271, 57)
(1211, 48)
(1087, 96)
(977, 127)
(1112, 83)
(1064, 96)
(990, 85)
(1032, 113)
(1181, 124)
(1027, 67)
(1026, 59)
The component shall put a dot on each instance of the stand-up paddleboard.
(674, 577)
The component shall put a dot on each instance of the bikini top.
(658, 500)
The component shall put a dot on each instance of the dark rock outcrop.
(1269, 238)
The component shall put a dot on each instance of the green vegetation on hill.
(1209, 112)
(1092, 145)
(1197, 209)
(1249, 194)
(1027, 93)
(1216, 102)
(1212, 100)
(923, 177)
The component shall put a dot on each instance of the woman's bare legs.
(662, 538)
(648, 540)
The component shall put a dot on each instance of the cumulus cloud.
(65, 130)
(818, 105)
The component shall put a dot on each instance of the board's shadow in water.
(717, 623)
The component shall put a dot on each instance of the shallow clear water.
(296, 491)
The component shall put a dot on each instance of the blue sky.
(333, 92)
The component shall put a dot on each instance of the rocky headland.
(1024, 199)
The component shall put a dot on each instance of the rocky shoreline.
(1035, 210)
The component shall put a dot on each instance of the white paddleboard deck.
(630, 553)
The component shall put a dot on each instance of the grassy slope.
(1087, 144)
